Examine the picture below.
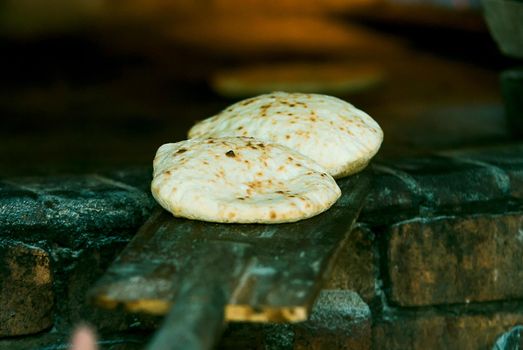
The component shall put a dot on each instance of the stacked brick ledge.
(436, 256)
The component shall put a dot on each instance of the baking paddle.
(201, 275)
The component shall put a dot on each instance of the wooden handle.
(197, 317)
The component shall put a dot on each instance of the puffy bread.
(340, 137)
(241, 180)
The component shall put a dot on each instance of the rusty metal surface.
(265, 273)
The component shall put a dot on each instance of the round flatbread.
(338, 136)
(325, 78)
(240, 180)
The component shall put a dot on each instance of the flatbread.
(334, 133)
(240, 180)
(324, 78)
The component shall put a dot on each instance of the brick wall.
(446, 235)
(435, 259)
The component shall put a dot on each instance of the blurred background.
(97, 84)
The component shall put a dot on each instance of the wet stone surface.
(507, 158)
(137, 177)
(447, 182)
(394, 196)
(70, 210)
(451, 183)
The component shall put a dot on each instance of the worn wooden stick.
(196, 319)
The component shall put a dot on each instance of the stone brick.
(339, 320)
(70, 210)
(436, 185)
(456, 260)
(26, 294)
(509, 158)
(19, 208)
(83, 221)
(445, 183)
(430, 330)
(393, 197)
(76, 272)
(138, 177)
(355, 268)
